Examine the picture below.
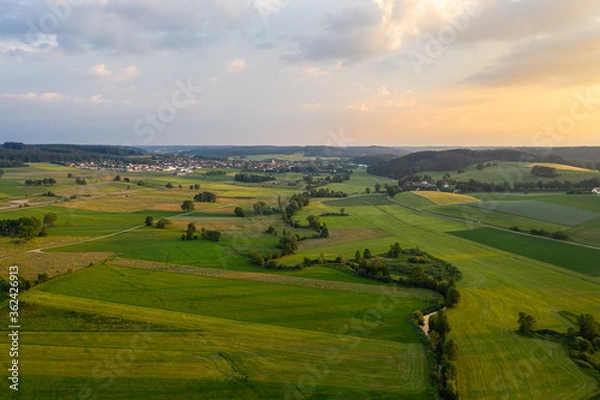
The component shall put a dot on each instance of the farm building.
(596, 190)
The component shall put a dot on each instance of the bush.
(256, 259)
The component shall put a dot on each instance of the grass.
(240, 300)
(223, 358)
(445, 199)
(496, 286)
(560, 167)
(160, 245)
(273, 331)
(576, 258)
(544, 211)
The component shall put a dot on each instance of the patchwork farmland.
(132, 311)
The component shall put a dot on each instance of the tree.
(163, 223)
(169, 185)
(526, 323)
(395, 250)
(314, 222)
(452, 297)
(117, 178)
(377, 187)
(149, 220)
(324, 231)
(255, 258)
(188, 205)
(480, 166)
(214, 236)
(49, 219)
(189, 233)
(342, 211)
(588, 326)
(367, 253)
(239, 212)
(205, 197)
(439, 323)
(450, 350)
(392, 190)
(357, 256)
(259, 208)
(367, 190)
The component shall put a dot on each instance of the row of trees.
(27, 227)
(245, 177)
(445, 353)
(41, 182)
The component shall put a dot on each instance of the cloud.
(237, 65)
(55, 97)
(378, 28)
(99, 71)
(573, 59)
(315, 72)
(214, 79)
(131, 27)
(312, 106)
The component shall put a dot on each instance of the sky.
(296, 72)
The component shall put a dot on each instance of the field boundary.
(392, 291)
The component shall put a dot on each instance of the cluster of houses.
(184, 165)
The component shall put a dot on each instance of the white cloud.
(237, 65)
(214, 79)
(383, 91)
(99, 71)
(312, 106)
(315, 72)
(55, 97)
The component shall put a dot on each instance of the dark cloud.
(134, 26)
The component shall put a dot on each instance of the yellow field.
(561, 167)
(446, 199)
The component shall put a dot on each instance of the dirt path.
(41, 250)
(425, 326)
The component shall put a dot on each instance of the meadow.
(169, 326)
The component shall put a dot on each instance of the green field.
(557, 253)
(544, 211)
(192, 319)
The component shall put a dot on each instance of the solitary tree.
(526, 323)
(377, 187)
(367, 190)
(49, 219)
(189, 233)
(367, 253)
(169, 185)
(163, 223)
(239, 212)
(149, 220)
(188, 205)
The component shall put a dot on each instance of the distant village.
(183, 165)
